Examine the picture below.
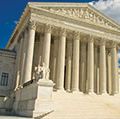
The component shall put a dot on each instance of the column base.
(104, 94)
(91, 93)
(68, 91)
(60, 91)
(114, 93)
(76, 92)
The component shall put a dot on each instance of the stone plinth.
(35, 99)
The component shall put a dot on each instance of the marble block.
(35, 99)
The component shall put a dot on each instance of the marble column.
(68, 65)
(29, 52)
(23, 55)
(97, 82)
(46, 46)
(41, 38)
(19, 51)
(90, 66)
(102, 69)
(83, 66)
(95, 67)
(114, 70)
(55, 59)
(109, 73)
(36, 52)
(75, 62)
(61, 60)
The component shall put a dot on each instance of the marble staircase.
(81, 106)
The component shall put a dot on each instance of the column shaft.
(55, 60)
(19, 54)
(23, 55)
(114, 71)
(29, 54)
(102, 68)
(97, 82)
(75, 64)
(96, 70)
(40, 52)
(83, 67)
(68, 66)
(61, 62)
(109, 73)
(90, 67)
(46, 46)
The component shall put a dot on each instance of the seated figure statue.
(41, 72)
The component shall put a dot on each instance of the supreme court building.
(58, 47)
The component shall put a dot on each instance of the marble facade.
(78, 44)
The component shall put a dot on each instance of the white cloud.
(109, 7)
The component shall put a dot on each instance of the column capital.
(47, 28)
(91, 39)
(32, 25)
(113, 44)
(76, 35)
(102, 42)
(108, 52)
(62, 32)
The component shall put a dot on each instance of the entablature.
(81, 13)
(41, 21)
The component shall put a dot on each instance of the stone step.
(78, 106)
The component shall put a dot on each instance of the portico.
(61, 51)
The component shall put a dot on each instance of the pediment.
(77, 11)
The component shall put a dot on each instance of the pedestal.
(35, 99)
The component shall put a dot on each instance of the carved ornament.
(32, 25)
(85, 14)
(48, 28)
(76, 35)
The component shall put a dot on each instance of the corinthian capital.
(113, 44)
(62, 32)
(76, 35)
(102, 42)
(48, 28)
(32, 25)
(91, 38)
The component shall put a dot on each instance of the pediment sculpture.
(85, 14)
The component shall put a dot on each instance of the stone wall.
(7, 65)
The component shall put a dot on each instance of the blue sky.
(11, 10)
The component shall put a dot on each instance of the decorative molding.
(76, 35)
(91, 38)
(83, 13)
(113, 44)
(62, 32)
(32, 25)
(48, 28)
(102, 42)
